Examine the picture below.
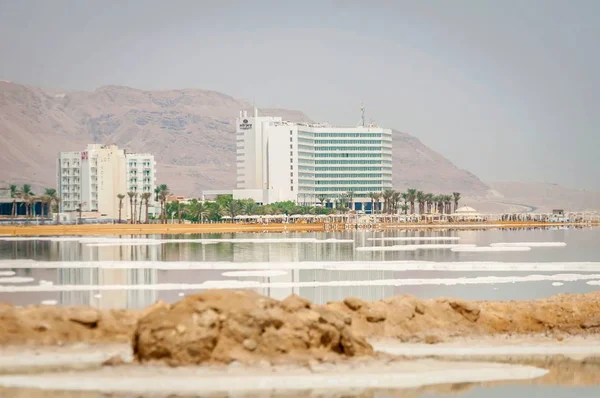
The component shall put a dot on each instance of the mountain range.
(191, 133)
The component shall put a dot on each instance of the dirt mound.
(47, 325)
(226, 326)
(241, 325)
(410, 319)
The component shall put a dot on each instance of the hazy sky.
(509, 89)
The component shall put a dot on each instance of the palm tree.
(131, 194)
(232, 208)
(404, 208)
(250, 208)
(45, 201)
(163, 193)
(14, 194)
(438, 200)
(156, 192)
(387, 196)
(200, 210)
(350, 198)
(412, 195)
(395, 199)
(321, 198)
(421, 201)
(448, 202)
(120, 197)
(145, 198)
(456, 197)
(51, 195)
(26, 194)
(56, 208)
(377, 198)
(139, 215)
(429, 200)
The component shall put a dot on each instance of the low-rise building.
(90, 180)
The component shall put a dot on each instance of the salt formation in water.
(236, 284)
(457, 266)
(491, 249)
(416, 238)
(16, 279)
(413, 247)
(265, 273)
(529, 244)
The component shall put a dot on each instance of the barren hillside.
(191, 133)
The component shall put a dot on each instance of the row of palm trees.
(160, 195)
(49, 201)
(427, 202)
(391, 202)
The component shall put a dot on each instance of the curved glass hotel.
(279, 160)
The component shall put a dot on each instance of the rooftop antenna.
(362, 115)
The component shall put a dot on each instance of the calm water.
(162, 275)
(582, 246)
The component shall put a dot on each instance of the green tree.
(27, 195)
(404, 207)
(421, 201)
(456, 198)
(14, 194)
(395, 199)
(430, 202)
(412, 196)
(231, 208)
(131, 195)
(163, 193)
(146, 199)
(387, 196)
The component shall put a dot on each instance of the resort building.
(93, 178)
(306, 162)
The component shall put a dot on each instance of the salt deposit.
(265, 273)
(594, 283)
(491, 249)
(529, 244)
(417, 238)
(7, 273)
(49, 302)
(184, 381)
(235, 284)
(16, 279)
(413, 247)
(456, 266)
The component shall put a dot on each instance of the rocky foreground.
(223, 326)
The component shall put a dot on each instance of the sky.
(509, 90)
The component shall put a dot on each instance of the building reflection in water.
(100, 276)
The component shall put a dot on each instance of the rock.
(467, 309)
(591, 323)
(374, 315)
(180, 329)
(114, 361)
(249, 344)
(432, 339)
(354, 303)
(294, 303)
(244, 327)
(88, 317)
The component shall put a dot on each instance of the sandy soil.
(405, 318)
(144, 229)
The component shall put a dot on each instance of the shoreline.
(147, 229)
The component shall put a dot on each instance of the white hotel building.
(94, 177)
(279, 160)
